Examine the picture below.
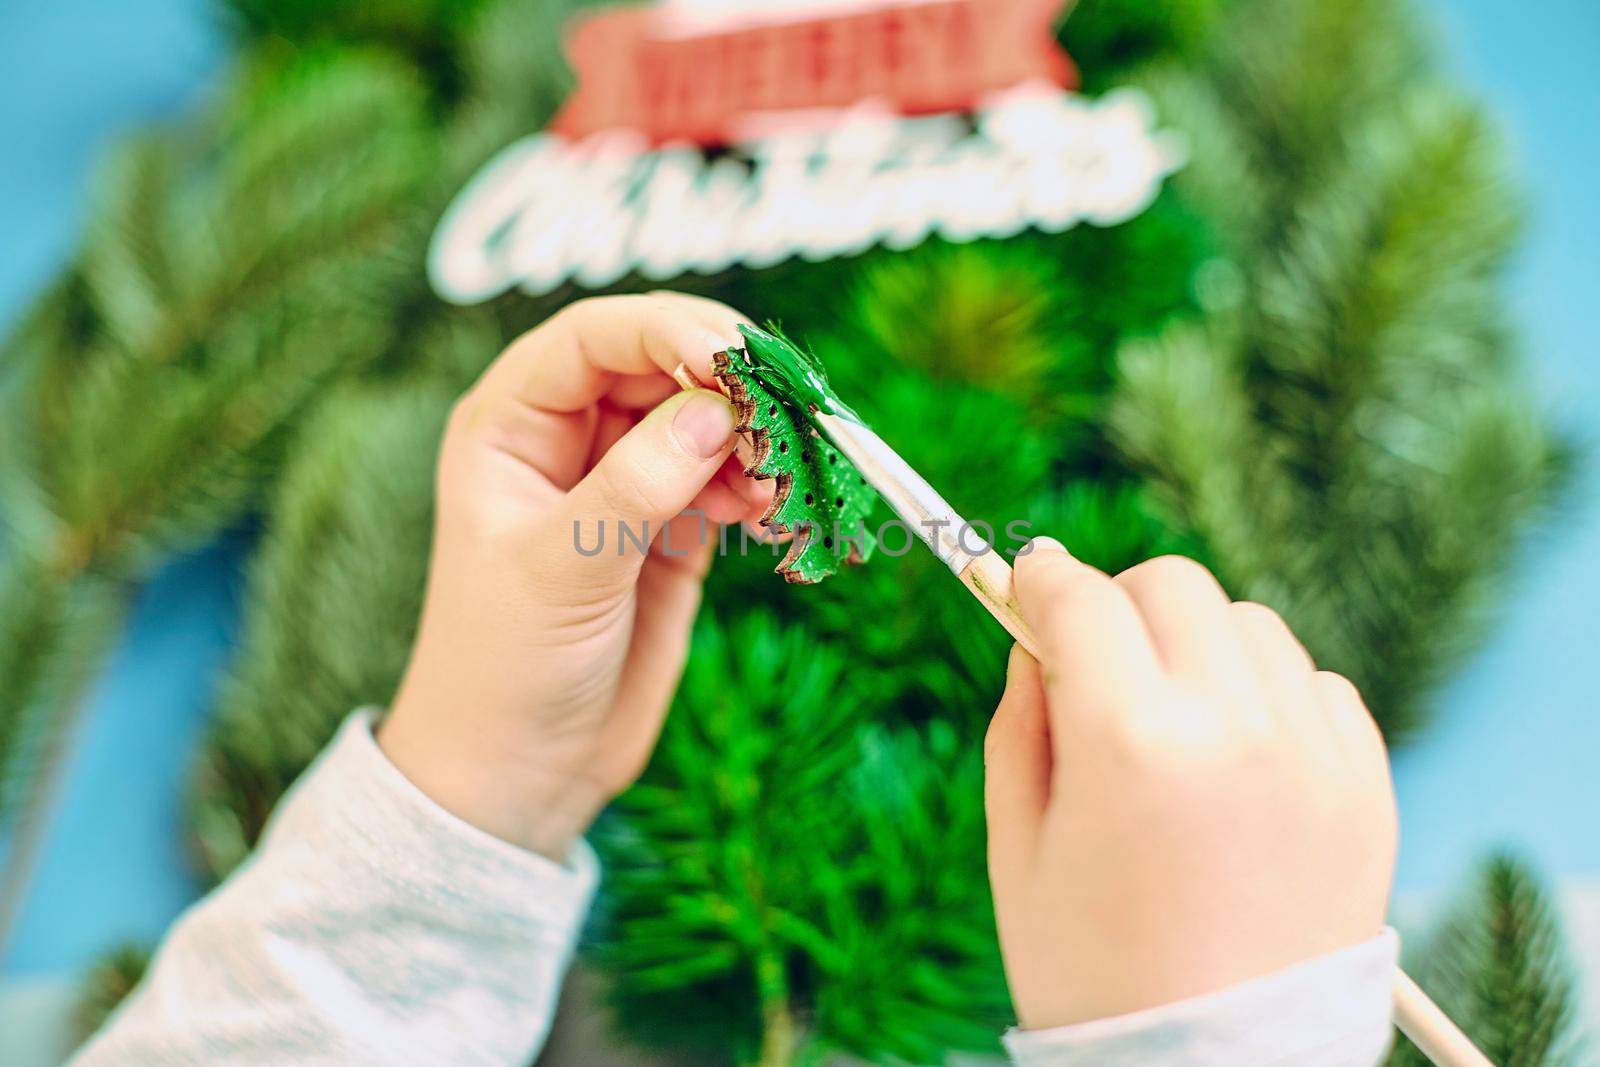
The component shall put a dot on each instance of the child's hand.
(1178, 800)
(541, 674)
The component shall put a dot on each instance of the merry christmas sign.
(704, 135)
(706, 80)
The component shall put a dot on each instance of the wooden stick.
(685, 378)
(984, 571)
(990, 578)
(1430, 1029)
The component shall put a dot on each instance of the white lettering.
(545, 211)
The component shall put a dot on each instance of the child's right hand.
(1178, 800)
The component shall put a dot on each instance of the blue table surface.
(1511, 758)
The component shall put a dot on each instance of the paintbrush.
(984, 571)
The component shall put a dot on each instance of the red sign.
(923, 56)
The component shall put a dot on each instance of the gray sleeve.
(369, 927)
(1333, 1011)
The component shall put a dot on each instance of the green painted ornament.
(821, 498)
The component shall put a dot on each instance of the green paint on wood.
(821, 498)
(791, 372)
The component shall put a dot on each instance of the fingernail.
(1047, 544)
(704, 424)
(713, 342)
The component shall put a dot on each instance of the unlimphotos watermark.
(894, 538)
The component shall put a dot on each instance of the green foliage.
(514, 76)
(334, 594)
(1107, 37)
(232, 270)
(1498, 967)
(901, 965)
(500, 55)
(1346, 431)
(711, 859)
(226, 282)
(812, 883)
(1036, 319)
(1111, 525)
(913, 973)
(423, 34)
(949, 309)
(52, 634)
(356, 21)
(107, 984)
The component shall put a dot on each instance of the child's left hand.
(541, 674)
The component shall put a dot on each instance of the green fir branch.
(1347, 430)
(53, 633)
(1498, 965)
(231, 271)
(333, 598)
(108, 984)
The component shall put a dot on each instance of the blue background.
(1512, 755)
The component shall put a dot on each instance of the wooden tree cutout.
(821, 498)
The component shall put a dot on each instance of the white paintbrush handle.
(1430, 1029)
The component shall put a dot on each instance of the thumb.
(1017, 765)
(646, 479)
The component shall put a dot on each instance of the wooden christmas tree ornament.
(821, 498)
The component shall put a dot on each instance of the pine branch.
(1276, 90)
(54, 630)
(770, 867)
(992, 315)
(225, 293)
(711, 858)
(108, 984)
(1348, 432)
(420, 33)
(1107, 38)
(913, 974)
(511, 43)
(221, 286)
(334, 594)
(50, 634)
(1498, 965)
